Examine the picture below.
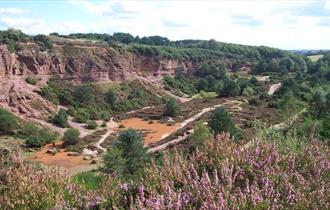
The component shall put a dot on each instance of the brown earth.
(59, 159)
(154, 130)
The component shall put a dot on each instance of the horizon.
(289, 25)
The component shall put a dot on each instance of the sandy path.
(274, 88)
(192, 119)
(110, 125)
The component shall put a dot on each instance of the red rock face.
(96, 64)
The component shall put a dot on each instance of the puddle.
(153, 131)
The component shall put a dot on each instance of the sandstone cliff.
(84, 63)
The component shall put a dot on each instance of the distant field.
(315, 58)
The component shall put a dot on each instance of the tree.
(221, 121)
(131, 152)
(111, 98)
(113, 161)
(230, 88)
(320, 105)
(171, 108)
(71, 137)
(201, 133)
(7, 122)
(84, 94)
(61, 119)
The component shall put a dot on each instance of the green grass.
(315, 58)
(204, 94)
(89, 180)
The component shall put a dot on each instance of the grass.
(204, 94)
(315, 58)
(89, 180)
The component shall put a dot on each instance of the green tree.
(230, 88)
(113, 161)
(325, 131)
(171, 108)
(201, 133)
(130, 144)
(221, 121)
(61, 119)
(84, 94)
(7, 122)
(71, 137)
(111, 98)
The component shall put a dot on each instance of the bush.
(248, 92)
(201, 133)
(221, 121)
(71, 137)
(129, 156)
(35, 136)
(61, 119)
(31, 80)
(35, 141)
(230, 88)
(7, 122)
(91, 125)
(171, 108)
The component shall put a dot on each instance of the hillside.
(100, 121)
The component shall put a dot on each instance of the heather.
(272, 171)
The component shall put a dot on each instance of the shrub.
(71, 137)
(129, 157)
(248, 91)
(61, 119)
(171, 108)
(221, 121)
(201, 133)
(35, 141)
(91, 125)
(7, 122)
(31, 80)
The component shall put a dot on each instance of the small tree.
(71, 137)
(7, 122)
(171, 108)
(111, 98)
(113, 161)
(221, 121)
(61, 119)
(130, 154)
(201, 133)
(230, 88)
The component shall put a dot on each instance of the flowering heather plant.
(219, 175)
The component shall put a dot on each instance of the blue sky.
(283, 24)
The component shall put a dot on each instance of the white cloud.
(285, 24)
(11, 11)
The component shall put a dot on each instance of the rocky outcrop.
(82, 63)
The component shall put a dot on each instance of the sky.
(294, 24)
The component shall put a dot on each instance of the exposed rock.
(88, 152)
(52, 151)
(87, 157)
(74, 154)
(93, 162)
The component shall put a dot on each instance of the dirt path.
(273, 88)
(190, 120)
(110, 125)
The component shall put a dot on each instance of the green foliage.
(35, 136)
(91, 125)
(83, 94)
(43, 41)
(7, 122)
(179, 83)
(31, 80)
(71, 137)
(248, 92)
(89, 180)
(61, 119)
(128, 157)
(201, 134)
(11, 38)
(113, 161)
(230, 88)
(111, 98)
(221, 121)
(171, 108)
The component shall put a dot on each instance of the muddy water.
(153, 131)
(60, 159)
